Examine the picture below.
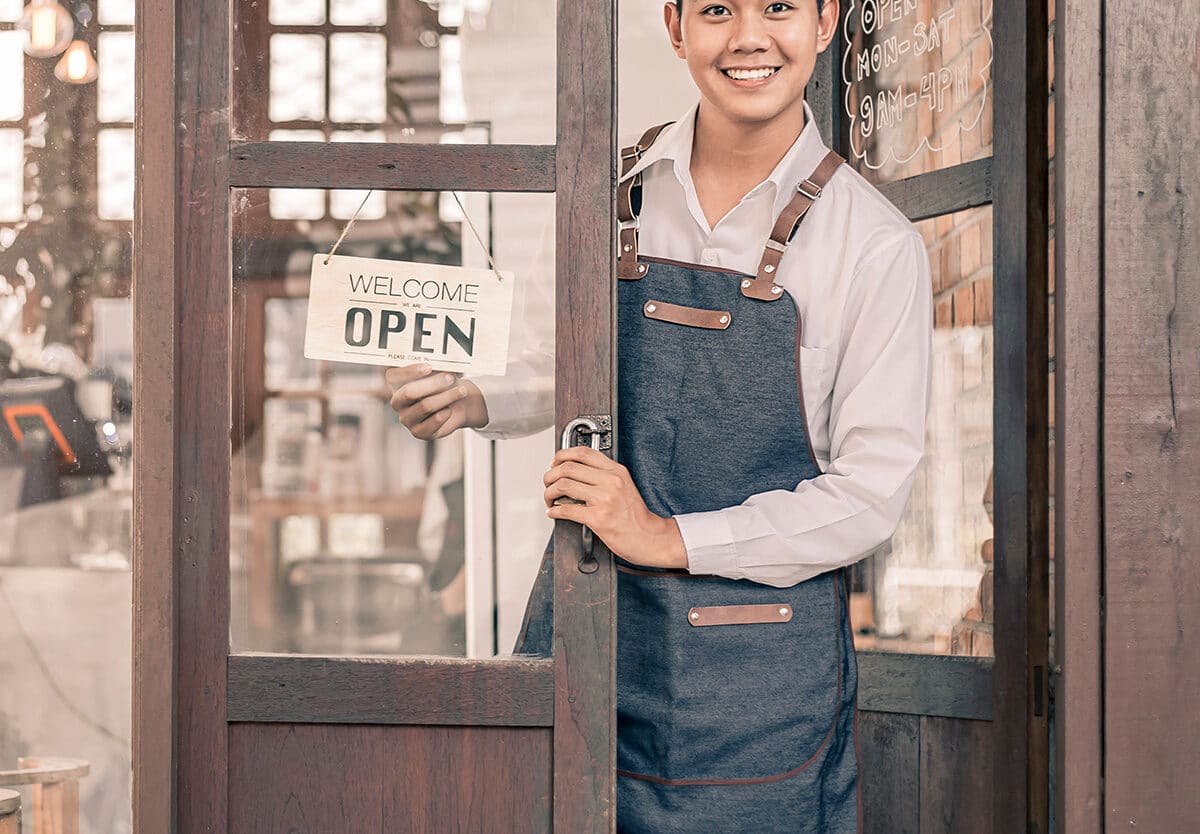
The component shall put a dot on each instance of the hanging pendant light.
(48, 28)
(77, 65)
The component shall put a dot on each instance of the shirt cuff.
(708, 540)
(509, 407)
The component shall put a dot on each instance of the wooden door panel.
(889, 751)
(373, 779)
(956, 776)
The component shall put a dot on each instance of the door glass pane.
(402, 68)
(10, 10)
(930, 590)
(66, 454)
(115, 80)
(918, 84)
(349, 535)
(117, 12)
(358, 12)
(12, 68)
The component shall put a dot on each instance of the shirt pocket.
(811, 378)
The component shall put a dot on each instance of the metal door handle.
(596, 428)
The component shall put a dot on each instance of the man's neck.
(731, 150)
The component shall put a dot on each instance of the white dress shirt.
(859, 275)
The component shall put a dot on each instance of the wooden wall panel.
(1079, 628)
(956, 776)
(1151, 435)
(889, 746)
(369, 779)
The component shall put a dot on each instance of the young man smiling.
(774, 342)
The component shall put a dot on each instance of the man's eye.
(779, 8)
(717, 11)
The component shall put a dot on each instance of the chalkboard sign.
(916, 77)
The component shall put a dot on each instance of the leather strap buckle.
(809, 189)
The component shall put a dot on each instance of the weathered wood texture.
(943, 191)
(154, 413)
(889, 749)
(318, 779)
(200, 326)
(584, 616)
(1151, 435)
(1079, 629)
(925, 774)
(1021, 418)
(393, 166)
(953, 687)
(504, 692)
(957, 777)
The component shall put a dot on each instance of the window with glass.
(66, 374)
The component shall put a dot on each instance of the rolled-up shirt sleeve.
(877, 430)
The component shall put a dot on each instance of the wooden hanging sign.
(381, 312)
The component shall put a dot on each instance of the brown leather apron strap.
(629, 204)
(763, 286)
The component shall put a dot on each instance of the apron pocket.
(745, 701)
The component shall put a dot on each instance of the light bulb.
(77, 65)
(48, 28)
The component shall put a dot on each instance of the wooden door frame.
(187, 688)
(1013, 689)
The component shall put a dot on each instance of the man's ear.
(827, 24)
(674, 27)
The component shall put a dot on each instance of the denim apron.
(735, 700)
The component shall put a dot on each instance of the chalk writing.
(906, 68)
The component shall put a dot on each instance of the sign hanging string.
(461, 207)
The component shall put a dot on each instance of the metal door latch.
(595, 430)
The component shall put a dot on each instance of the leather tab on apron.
(763, 286)
(687, 316)
(716, 615)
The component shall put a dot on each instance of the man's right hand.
(432, 403)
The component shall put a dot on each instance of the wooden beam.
(952, 687)
(1020, 418)
(584, 613)
(1151, 402)
(154, 534)
(1078, 352)
(398, 167)
(199, 323)
(942, 191)
(292, 689)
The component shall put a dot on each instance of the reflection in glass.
(392, 66)
(349, 535)
(116, 12)
(12, 69)
(297, 78)
(115, 83)
(358, 12)
(12, 177)
(357, 72)
(297, 12)
(66, 378)
(114, 163)
(917, 80)
(930, 589)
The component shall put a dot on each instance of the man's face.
(751, 59)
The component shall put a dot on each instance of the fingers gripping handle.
(595, 429)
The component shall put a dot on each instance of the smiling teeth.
(750, 75)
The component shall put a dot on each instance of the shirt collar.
(675, 144)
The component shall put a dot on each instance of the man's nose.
(749, 34)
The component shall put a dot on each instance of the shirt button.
(708, 256)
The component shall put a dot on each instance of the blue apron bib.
(735, 700)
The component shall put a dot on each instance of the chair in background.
(55, 784)
(10, 812)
